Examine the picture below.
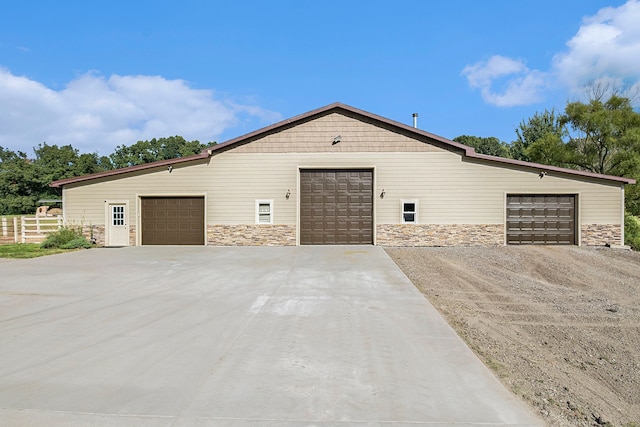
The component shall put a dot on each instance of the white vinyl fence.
(28, 229)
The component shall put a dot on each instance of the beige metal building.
(340, 175)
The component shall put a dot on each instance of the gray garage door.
(173, 221)
(336, 207)
(541, 219)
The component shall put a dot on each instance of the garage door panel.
(172, 220)
(541, 219)
(336, 207)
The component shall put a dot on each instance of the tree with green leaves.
(154, 150)
(20, 186)
(604, 136)
(599, 136)
(540, 139)
(491, 146)
(65, 161)
(25, 180)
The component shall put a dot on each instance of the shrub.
(66, 238)
(79, 243)
(632, 231)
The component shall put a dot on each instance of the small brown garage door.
(541, 219)
(336, 207)
(173, 221)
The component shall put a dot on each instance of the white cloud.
(606, 49)
(94, 113)
(518, 84)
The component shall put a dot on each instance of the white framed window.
(264, 211)
(409, 211)
(117, 215)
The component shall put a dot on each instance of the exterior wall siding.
(449, 190)
(85, 204)
(460, 200)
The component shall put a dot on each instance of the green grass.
(28, 250)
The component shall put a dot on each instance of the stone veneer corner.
(601, 234)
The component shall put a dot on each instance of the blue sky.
(100, 74)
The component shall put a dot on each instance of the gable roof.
(343, 108)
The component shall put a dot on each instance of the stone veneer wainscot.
(251, 235)
(387, 235)
(600, 234)
(440, 234)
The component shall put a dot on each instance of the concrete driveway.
(258, 336)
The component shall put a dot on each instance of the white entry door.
(117, 228)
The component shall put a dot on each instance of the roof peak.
(243, 139)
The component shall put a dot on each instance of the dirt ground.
(560, 326)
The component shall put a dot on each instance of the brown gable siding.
(317, 136)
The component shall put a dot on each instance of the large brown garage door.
(336, 207)
(541, 219)
(173, 221)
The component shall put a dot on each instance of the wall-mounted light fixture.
(382, 194)
(288, 194)
(542, 174)
(170, 168)
(336, 139)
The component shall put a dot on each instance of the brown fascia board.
(545, 168)
(337, 106)
(129, 169)
(468, 151)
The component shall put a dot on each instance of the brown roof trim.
(468, 151)
(244, 139)
(129, 169)
(546, 168)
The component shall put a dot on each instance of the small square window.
(264, 211)
(117, 215)
(409, 211)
